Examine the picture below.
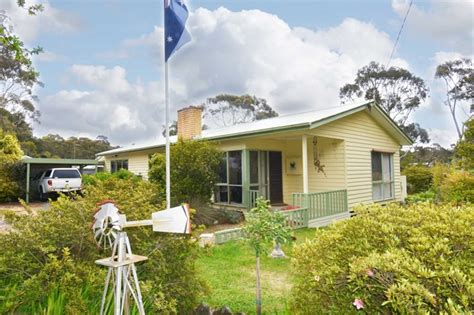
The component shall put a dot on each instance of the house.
(329, 160)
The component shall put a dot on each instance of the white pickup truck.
(59, 180)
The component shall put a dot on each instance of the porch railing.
(297, 218)
(252, 196)
(322, 204)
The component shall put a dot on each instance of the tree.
(17, 74)
(398, 91)
(10, 154)
(173, 129)
(458, 76)
(194, 171)
(262, 227)
(464, 150)
(227, 110)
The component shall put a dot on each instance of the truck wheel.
(42, 195)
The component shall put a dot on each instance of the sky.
(102, 65)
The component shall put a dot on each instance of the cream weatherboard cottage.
(328, 160)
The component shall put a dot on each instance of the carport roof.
(59, 161)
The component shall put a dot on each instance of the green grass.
(230, 272)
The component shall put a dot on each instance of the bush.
(429, 196)
(458, 187)
(51, 255)
(194, 170)
(393, 259)
(419, 178)
(10, 155)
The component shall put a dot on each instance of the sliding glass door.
(229, 188)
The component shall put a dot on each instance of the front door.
(275, 177)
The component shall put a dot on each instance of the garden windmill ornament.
(108, 232)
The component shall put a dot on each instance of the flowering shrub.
(393, 259)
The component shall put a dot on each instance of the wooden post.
(305, 164)
(27, 182)
(259, 294)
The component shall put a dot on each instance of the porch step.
(325, 221)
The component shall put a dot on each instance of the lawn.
(230, 272)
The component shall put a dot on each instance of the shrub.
(464, 150)
(458, 187)
(10, 155)
(429, 195)
(194, 169)
(50, 255)
(419, 178)
(393, 259)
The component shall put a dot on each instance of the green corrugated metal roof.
(60, 161)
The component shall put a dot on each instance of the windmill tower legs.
(122, 277)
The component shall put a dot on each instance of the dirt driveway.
(17, 207)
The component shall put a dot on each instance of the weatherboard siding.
(361, 136)
(137, 162)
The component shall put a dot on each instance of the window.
(229, 188)
(66, 174)
(382, 176)
(116, 165)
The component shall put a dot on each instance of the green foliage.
(419, 178)
(425, 196)
(17, 74)
(102, 177)
(402, 260)
(457, 187)
(194, 169)
(10, 154)
(464, 150)
(263, 227)
(228, 110)
(427, 155)
(55, 250)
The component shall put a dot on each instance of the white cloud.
(49, 20)
(450, 22)
(258, 53)
(295, 69)
(112, 106)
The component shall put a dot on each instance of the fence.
(322, 204)
(311, 206)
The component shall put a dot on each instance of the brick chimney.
(189, 122)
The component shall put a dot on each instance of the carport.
(38, 165)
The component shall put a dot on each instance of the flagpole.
(167, 113)
(167, 153)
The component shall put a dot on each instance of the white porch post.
(304, 158)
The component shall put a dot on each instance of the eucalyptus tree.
(398, 91)
(458, 76)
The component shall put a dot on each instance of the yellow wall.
(137, 162)
(361, 135)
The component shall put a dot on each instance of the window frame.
(228, 184)
(383, 181)
(123, 165)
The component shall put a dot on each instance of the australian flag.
(176, 35)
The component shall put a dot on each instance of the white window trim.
(382, 182)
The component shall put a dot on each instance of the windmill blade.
(174, 220)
